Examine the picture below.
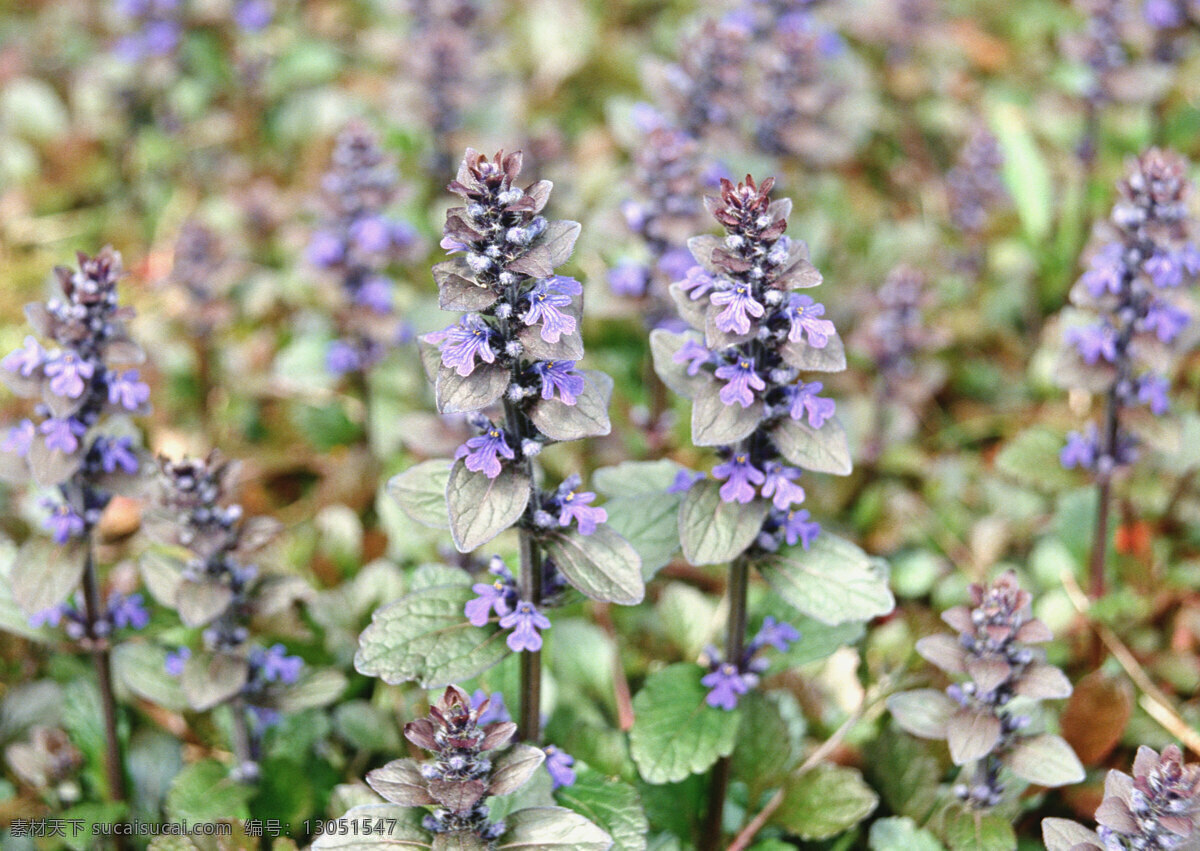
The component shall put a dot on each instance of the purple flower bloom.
(49, 617)
(740, 306)
(26, 359)
(726, 684)
(804, 316)
(798, 527)
(693, 354)
(63, 523)
(545, 299)
(805, 400)
(69, 374)
(1163, 14)
(452, 245)
(560, 375)
(684, 480)
(372, 234)
(375, 294)
(325, 249)
(675, 263)
(525, 621)
(1080, 450)
(779, 483)
(493, 596)
(127, 390)
(481, 452)
(741, 475)
(253, 15)
(117, 453)
(558, 766)
(1094, 342)
(175, 661)
(1165, 269)
(1152, 391)
(127, 611)
(1107, 271)
(496, 710)
(742, 381)
(342, 357)
(62, 434)
(276, 666)
(697, 283)
(161, 37)
(460, 344)
(629, 279)
(1165, 320)
(19, 438)
(575, 505)
(777, 635)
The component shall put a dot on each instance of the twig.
(621, 691)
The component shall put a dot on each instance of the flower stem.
(101, 659)
(243, 753)
(735, 638)
(1108, 449)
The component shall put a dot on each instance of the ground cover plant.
(573, 425)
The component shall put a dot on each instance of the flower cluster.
(706, 88)
(267, 671)
(122, 611)
(895, 330)
(356, 242)
(1157, 809)
(1132, 288)
(744, 375)
(992, 652)
(558, 762)
(974, 187)
(199, 269)
(87, 374)
(1100, 47)
(153, 28)
(502, 596)
(727, 680)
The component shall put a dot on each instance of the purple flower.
(560, 375)
(496, 710)
(693, 354)
(117, 453)
(1107, 271)
(127, 611)
(805, 400)
(804, 314)
(777, 635)
(525, 621)
(161, 37)
(1165, 320)
(696, 283)
(127, 390)
(740, 306)
(629, 279)
(797, 527)
(726, 684)
(19, 438)
(1165, 269)
(481, 452)
(452, 245)
(1152, 391)
(1162, 14)
(684, 480)
(63, 523)
(253, 15)
(26, 359)
(1094, 342)
(460, 344)
(779, 483)
(545, 299)
(675, 263)
(371, 234)
(69, 374)
(375, 294)
(62, 434)
(742, 381)
(276, 666)
(342, 357)
(49, 617)
(175, 661)
(325, 249)
(741, 475)
(493, 596)
(575, 505)
(558, 766)
(1080, 450)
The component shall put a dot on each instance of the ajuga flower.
(728, 680)
(1157, 809)
(973, 186)
(356, 242)
(120, 612)
(992, 651)
(153, 28)
(707, 86)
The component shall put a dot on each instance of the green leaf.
(602, 565)
(901, 834)
(141, 667)
(1031, 458)
(482, 508)
(405, 833)
(552, 829)
(924, 712)
(204, 792)
(971, 735)
(675, 733)
(636, 477)
(1060, 834)
(663, 346)
(1045, 760)
(425, 637)
(200, 603)
(763, 759)
(318, 688)
(609, 804)
(45, 574)
(513, 768)
(421, 492)
(804, 356)
(651, 526)
(833, 581)
(821, 450)
(716, 424)
(457, 394)
(713, 531)
(1025, 170)
(588, 417)
(210, 680)
(568, 347)
(964, 829)
(824, 802)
